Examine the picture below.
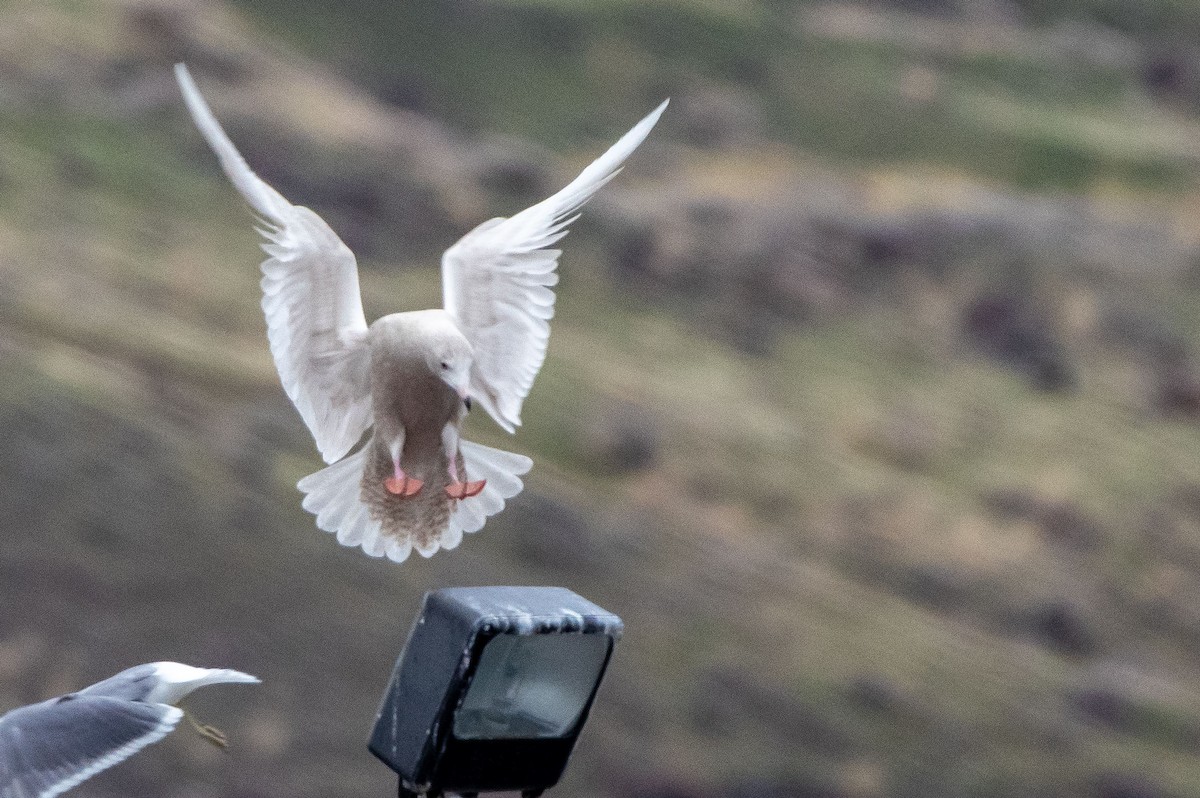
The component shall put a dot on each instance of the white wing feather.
(497, 283)
(311, 300)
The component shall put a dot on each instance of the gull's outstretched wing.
(311, 300)
(48, 748)
(497, 283)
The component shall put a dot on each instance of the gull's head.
(449, 356)
(433, 336)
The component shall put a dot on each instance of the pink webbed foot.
(403, 485)
(465, 490)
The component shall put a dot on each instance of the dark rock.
(872, 254)
(876, 694)
(660, 786)
(718, 118)
(948, 9)
(795, 787)
(1111, 785)
(1010, 330)
(1185, 498)
(907, 438)
(1059, 521)
(1063, 522)
(712, 260)
(1063, 627)
(686, 251)
(1171, 75)
(379, 211)
(159, 26)
(1107, 707)
(555, 535)
(165, 36)
(406, 91)
(934, 585)
(753, 334)
(632, 250)
(791, 281)
(1013, 504)
(621, 437)
(516, 173)
(1142, 332)
(741, 694)
(1177, 392)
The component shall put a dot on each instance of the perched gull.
(413, 376)
(48, 748)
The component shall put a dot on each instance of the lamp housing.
(492, 689)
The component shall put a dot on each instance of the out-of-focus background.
(871, 403)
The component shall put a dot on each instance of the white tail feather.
(502, 470)
(334, 496)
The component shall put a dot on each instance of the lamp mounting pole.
(404, 792)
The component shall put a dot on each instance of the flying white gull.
(48, 748)
(415, 484)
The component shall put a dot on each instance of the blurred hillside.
(871, 403)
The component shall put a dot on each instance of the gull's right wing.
(311, 300)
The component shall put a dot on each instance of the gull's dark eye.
(445, 366)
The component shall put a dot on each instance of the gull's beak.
(459, 383)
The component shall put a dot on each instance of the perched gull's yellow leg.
(210, 733)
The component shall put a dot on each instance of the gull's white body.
(50, 747)
(408, 373)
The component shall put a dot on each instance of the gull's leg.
(399, 483)
(210, 733)
(456, 489)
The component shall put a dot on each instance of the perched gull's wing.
(496, 282)
(311, 300)
(48, 748)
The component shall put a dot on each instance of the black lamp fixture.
(492, 689)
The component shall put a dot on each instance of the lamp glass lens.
(530, 686)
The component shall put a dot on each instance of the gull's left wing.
(497, 283)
